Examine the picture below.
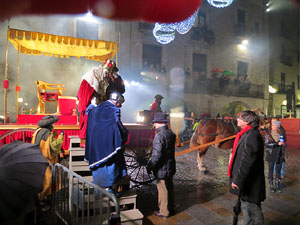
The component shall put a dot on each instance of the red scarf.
(236, 141)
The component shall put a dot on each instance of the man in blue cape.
(105, 140)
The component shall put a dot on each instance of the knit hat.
(277, 123)
(47, 120)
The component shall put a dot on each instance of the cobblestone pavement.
(204, 198)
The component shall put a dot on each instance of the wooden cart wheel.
(136, 162)
(137, 159)
(11, 135)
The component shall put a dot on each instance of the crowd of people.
(106, 137)
(238, 84)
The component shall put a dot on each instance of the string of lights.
(220, 3)
(165, 32)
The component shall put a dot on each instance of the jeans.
(271, 170)
(282, 169)
(252, 214)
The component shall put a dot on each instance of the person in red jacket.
(155, 106)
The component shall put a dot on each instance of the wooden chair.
(48, 92)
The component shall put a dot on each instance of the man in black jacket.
(163, 164)
(246, 168)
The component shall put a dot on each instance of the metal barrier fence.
(78, 201)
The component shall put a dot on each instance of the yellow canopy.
(36, 43)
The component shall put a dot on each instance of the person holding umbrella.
(50, 144)
(246, 168)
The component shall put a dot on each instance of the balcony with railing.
(224, 86)
(282, 88)
(202, 34)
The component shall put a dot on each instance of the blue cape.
(105, 134)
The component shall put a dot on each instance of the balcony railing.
(282, 88)
(202, 34)
(224, 87)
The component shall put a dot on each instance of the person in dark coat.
(246, 168)
(275, 149)
(163, 164)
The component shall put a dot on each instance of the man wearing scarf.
(246, 168)
(105, 140)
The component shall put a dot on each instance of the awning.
(36, 43)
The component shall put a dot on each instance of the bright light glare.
(126, 83)
(268, 10)
(20, 99)
(245, 42)
(284, 102)
(140, 119)
(134, 83)
(272, 90)
(89, 17)
(242, 47)
(77, 102)
(89, 14)
(26, 103)
(177, 115)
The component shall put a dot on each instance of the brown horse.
(209, 130)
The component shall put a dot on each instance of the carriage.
(139, 149)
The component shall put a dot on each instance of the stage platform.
(34, 119)
(141, 135)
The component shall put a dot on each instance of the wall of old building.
(222, 53)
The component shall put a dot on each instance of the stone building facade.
(284, 60)
(216, 43)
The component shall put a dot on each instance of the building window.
(199, 64)
(242, 68)
(256, 28)
(87, 30)
(200, 21)
(241, 22)
(151, 57)
(282, 82)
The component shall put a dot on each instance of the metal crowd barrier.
(75, 200)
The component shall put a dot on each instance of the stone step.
(127, 198)
(79, 167)
(129, 217)
(76, 149)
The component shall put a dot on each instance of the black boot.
(278, 185)
(271, 184)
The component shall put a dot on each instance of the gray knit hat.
(47, 120)
(277, 123)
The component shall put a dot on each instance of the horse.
(209, 130)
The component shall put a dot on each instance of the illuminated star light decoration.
(220, 3)
(165, 32)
